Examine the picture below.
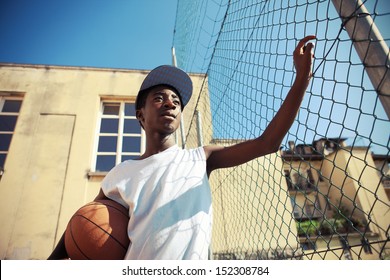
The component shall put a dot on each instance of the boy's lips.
(169, 115)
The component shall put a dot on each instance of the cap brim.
(170, 76)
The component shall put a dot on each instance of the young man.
(166, 190)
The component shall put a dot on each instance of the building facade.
(318, 201)
(63, 128)
(340, 199)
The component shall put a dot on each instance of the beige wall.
(252, 212)
(354, 171)
(46, 172)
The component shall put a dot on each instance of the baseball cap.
(170, 76)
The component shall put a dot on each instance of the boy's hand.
(303, 58)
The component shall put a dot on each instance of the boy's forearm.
(59, 252)
(270, 140)
(284, 118)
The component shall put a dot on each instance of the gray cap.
(170, 76)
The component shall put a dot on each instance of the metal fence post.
(369, 44)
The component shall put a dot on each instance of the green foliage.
(307, 228)
(341, 222)
(330, 226)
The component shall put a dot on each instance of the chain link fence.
(325, 194)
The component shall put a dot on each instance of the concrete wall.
(253, 212)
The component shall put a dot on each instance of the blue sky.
(245, 80)
(131, 34)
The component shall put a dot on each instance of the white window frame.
(3, 98)
(118, 153)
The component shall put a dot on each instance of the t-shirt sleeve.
(110, 183)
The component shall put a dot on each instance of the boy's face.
(162, 111)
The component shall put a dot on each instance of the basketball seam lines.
(96, 203)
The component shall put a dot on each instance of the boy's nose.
(169, 104)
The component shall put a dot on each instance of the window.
(310, 178)
(298, 180)
(386, 181)
(297, 210)
(346, 248)
(119, 135)
(288, 179)
(320, 176)
(307, 209)
(366, 246)
(9, 112)
(308, 245)
(313, 208)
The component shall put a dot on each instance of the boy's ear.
(139, 115)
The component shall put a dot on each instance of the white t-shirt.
(169, 200)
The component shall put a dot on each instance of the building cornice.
(85, 68)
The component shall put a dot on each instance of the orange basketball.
(98, 231)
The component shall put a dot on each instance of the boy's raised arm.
(272, 137)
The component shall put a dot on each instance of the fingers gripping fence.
(325, 194)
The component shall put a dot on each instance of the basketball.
(98, 231)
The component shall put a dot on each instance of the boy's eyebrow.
(163, 92)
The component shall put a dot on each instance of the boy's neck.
(155, 146)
